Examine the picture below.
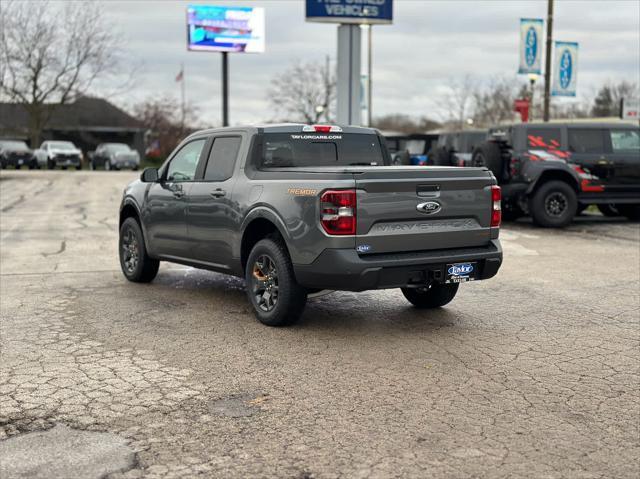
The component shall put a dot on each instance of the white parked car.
(58, 153)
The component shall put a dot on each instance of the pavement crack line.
(63, 246)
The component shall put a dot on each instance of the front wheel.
(432, 296)
(553, 205)
(136, 264)
(276, 297)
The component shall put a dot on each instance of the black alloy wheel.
(130, 251)
(556, 204)
(264, 282)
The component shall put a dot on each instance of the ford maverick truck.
(296, 209)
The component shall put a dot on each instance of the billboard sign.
(565, 71)
(225, 29)
(531, 45)
(350, 11)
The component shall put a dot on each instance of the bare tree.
(305, 92)
(458, 100)
(495, 101)
(50, 55)
(158, 116)
(405, 123)
(609, 98)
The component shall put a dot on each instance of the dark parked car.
(455, 148)
(114, 156)
(17, 154)
(554, 170)
(295, 209)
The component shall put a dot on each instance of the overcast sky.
(429, 43)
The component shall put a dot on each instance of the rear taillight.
(338, 212)
(496, 209)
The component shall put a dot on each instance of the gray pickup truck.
(296, 209)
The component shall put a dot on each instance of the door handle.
(178, 194)
(218, 193)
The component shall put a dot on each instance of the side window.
(222, 158)
(547, 138)
(625, 140)
(184, 163)
(585, 140)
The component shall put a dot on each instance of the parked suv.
(455, 148)
(294, 209)
(114, 156)
(554, 170)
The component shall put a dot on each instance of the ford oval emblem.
(429, 207)
(566, 69)
(531, 46)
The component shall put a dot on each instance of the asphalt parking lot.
(534, 373)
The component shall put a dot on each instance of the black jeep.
(552, 171)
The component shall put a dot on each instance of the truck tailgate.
(422, 208)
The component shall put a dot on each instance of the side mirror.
(149, 175)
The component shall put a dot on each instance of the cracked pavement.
(534, 373)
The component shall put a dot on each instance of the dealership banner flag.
(565, 69)
(531, 45)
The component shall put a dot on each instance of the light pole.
(547, 62)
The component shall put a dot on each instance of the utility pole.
(547, 62)
(225, 89)
(369, 95)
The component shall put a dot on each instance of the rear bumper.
(345, 270)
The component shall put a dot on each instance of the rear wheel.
(272, 289)
(553, 205)
(489, 154)
(432, 296)
(630, 211)
(136, 264)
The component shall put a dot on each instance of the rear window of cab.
(320, 149)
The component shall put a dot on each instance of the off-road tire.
(146, 268)
(432, 296)
(630, 211)
(553, 205)
(291, 297)
(489, 154)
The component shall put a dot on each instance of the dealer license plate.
(460, 272)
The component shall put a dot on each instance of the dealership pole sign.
(531, 45)
(565, 71)
(350, 11)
